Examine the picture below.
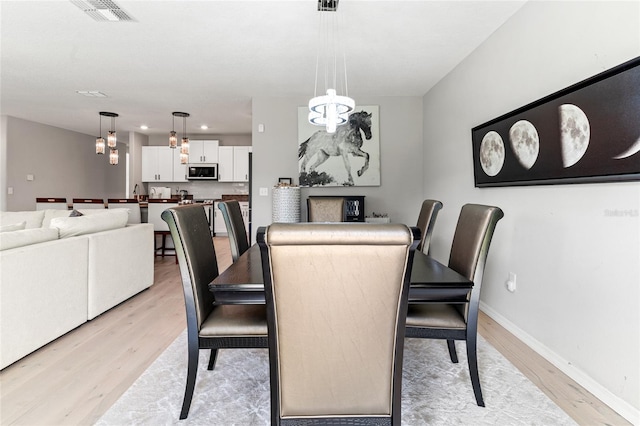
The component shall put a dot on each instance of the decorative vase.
(286, 204)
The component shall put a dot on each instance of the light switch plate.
(264, 192)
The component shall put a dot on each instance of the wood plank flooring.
(76, 378)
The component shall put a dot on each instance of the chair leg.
(473, 369)
(212, 359)
(192, 371)
(451, 344)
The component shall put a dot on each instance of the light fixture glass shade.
(184, 158)
(184, 146)
(111, 139)
(113, 157)
(330, 110)
(100, 145)
(173, 140)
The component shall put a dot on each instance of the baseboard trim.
(620, 406)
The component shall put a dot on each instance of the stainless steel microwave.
(202, 171)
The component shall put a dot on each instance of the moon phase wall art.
(588, 132)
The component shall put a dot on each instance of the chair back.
(326, 209)
(197, 259)
(235, 227)
(51, 203)
(88, 203)
(128, 203)
(426, 222)
(470, 246)
(336, 299)
(155, 207)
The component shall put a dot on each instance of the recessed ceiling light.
(204, 127)
(144, 127)
(91, 93)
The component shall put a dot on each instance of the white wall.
(275, 154)
(62, 162)
(578, 267)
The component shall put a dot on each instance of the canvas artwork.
(348, 157)
(588, 132)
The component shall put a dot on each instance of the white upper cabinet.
(225, 164)
(233, 163)
(203, 151)
(241, 163)
(157, 164)
(179, 170)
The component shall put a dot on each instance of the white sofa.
(59, 272)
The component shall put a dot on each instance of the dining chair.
(209, 326)
(426, 222)
(232, 215)
(129, 203)
(326, 209)
(336, 297)
(88, 203)
(161, 231)
(51, 203)
(459, 321)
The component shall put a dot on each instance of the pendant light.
(100, 140)
(184, 144)
(173, 139)
(330, 110)
(112, 141)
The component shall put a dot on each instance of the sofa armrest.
(120, 266)
(43, 295)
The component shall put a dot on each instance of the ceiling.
(210, 58)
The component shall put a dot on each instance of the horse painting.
(346, 140)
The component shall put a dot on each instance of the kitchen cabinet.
(203, 151)
(233, 163)
(225, 164)
(179, 170)
(157, 164)
(241, 163)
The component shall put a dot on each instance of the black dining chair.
(459, 321)
(209, 326)
(238, 239)
(336, 299)
(426, 222)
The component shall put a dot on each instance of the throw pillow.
(15, 227)
(75, 213)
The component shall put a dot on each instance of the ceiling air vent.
(103, 10)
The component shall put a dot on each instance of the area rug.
(434, 391)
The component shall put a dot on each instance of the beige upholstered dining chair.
(336, 299)
(238, 239)
(88, 203)
(459, 321)
(209, 326)
(326, 209)
(51, 203)
(426, 222)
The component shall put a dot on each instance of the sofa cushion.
(25, 237)
(33, 218)
(88, 224)
(15, 227)
(51, 213)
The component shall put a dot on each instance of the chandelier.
(112, 141)
(330, 110)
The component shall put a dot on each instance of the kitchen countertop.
(238, 197)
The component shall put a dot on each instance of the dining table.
(431, 282)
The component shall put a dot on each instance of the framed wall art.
(588, 132)
(348, 157)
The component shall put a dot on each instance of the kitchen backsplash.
(205, 190)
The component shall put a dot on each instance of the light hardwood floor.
(76, 378)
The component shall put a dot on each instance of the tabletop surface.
(245, 275)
